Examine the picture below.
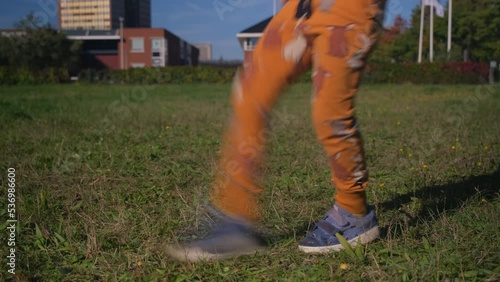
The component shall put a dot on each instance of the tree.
(477, 28)
(475, 33)
(39, 47)
(386, 40)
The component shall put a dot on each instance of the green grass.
(107, 175)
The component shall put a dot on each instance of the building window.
(156, 44)
(250, 43)
(182, 50)
(159, 52)
(137, 45)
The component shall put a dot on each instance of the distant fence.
(445, 73)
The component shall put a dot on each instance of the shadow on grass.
(434, 200)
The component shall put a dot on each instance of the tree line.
(37, 47)
(475, 35)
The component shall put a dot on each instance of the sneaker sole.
(197, 254)
(364, 238)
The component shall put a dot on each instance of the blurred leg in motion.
(280, 55)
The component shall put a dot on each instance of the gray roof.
(258, 28)
(81, 32)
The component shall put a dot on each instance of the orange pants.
(335, 39)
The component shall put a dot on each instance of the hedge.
(11, 76)
(437, 73)
(174, 75)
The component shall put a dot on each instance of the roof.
(258, 28)
(81, 34)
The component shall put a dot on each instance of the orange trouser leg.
(345, 31)
(341, 33)
(255, 91)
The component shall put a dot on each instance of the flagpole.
(420, 41)
(450, 7)
(431, 47)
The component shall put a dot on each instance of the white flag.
(435, 3)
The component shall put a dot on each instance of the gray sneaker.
(356, 230)
(229, 240)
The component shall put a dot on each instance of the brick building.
(142, 47)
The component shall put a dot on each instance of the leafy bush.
(24, 76)
(446, 73)
(172, 75)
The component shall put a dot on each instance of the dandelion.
(425, 166)
(453, 147)
(401, 150)
(479, 164)
(410, 155)
(381, 185)
(167, 127)
(344, 266)
(398, 123)
(486, 148)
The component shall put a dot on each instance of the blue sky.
(193, 20)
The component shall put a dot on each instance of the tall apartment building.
(103, 14)
(138, 13)
(205, 51)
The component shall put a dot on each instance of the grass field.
(107, 175)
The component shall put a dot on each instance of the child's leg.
(279, 56)
(345, 32)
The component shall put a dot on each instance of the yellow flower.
(167, 127)
(479, 164)
(139, 263)
(344, 266)
(381, 185)
(398, 123)
(484, 200)
(486, 148)
(401, 150)
(410, 155)
(425, 166)
(453, 147)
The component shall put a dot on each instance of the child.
(335, 36)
